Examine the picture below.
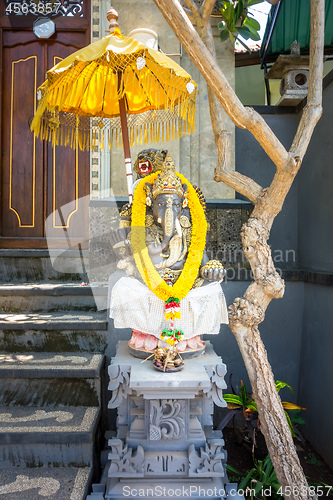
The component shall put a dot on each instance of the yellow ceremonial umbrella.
(115, 91)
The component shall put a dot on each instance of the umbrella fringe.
(101, 139)
(81, 141)
(58, 135)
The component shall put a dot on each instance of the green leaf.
(243, 393)
(232, 469)
(280, 385)
(290, 424)
(268, 470)
(246, 479)
(249, 21)
(233, 398)
(244, 32)
(252, 405)
(258, 486)
(222, 26)
(254, 35)
(291, 406)
(239, 9)
(224, 35)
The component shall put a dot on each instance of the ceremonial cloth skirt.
(134, 305)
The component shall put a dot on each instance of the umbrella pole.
(127, 150)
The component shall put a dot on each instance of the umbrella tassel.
(150, 86)
(101, 139)
(85, 141)
(172, 103)
(159, 94)
(88, 141)
(63, 96)
(166, 98)
(66, 136)
(72, 138)
(80, 141)
(57, 136)
(156, 93)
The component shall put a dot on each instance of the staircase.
(52, 345)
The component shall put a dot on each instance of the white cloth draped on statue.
(134, 306)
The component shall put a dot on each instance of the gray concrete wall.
(315, 253)
(315, 194)
(316, 370)
(281, 333)
(251, 160)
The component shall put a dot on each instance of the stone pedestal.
(165, 445)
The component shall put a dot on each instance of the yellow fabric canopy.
(82, 93)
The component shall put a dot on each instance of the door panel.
(22, 200)
(39, 182)
(68, 178)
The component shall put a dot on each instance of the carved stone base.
(164, 436)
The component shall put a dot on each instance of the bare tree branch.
(190, 15)
(245, 118)
(313, 109)
(207, 8)
(192, 6)
(240, 183)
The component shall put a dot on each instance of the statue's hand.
(120, 244)
(213, 271)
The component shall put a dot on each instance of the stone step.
(72, 321)
(24, 265)
(50, 365)
(47, 297)
(39, 436)
(55, 483)
(53, 332)
(26, 341)
(50, 379)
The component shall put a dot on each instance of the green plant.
(260, 478)
(244, 403)
(237, 21)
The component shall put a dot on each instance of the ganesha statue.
(170, 292)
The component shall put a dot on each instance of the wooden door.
(45, 189)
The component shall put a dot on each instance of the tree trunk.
(246, 313)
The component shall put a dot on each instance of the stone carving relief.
(174, 463)
(124, 461)
(216, 374)
(208, 460)
(119, 384)
(167, 419)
